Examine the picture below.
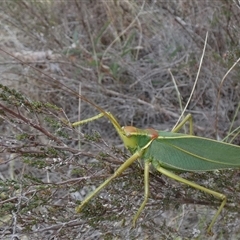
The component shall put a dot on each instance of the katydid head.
(134, 138)
(130, 131)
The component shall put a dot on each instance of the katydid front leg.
(118, 172)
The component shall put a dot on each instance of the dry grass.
(118, 54)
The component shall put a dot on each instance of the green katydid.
(169, 151)
(166, 151)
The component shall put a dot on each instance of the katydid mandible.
(169, 151)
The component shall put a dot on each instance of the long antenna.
(64, 87)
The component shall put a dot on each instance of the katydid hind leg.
(188, 118)
(194, 185)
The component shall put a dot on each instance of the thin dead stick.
(219, 91)
(195, 83)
